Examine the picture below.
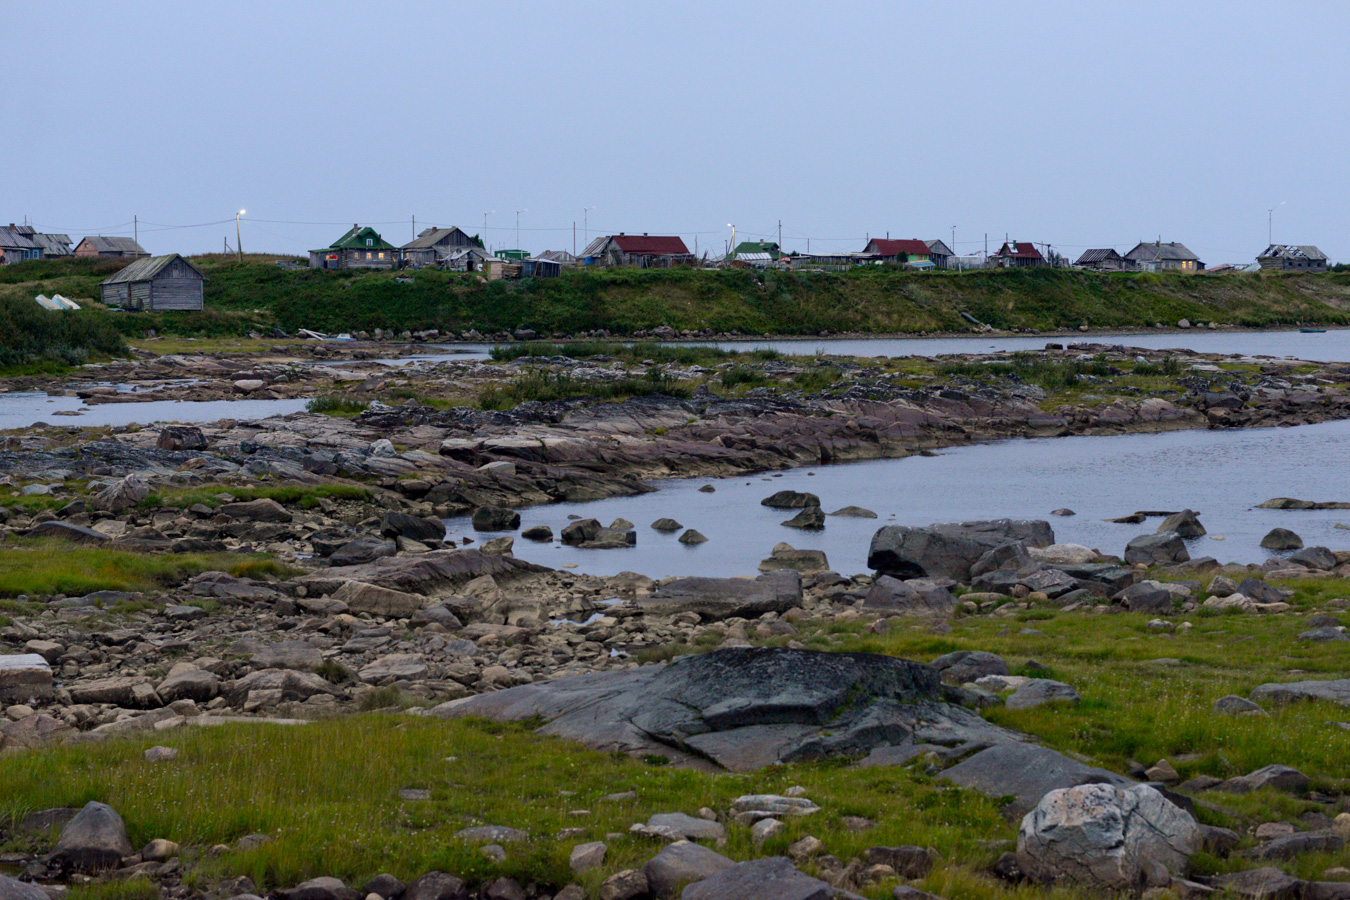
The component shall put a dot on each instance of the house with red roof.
(1017, 254)
(646, 251)
(905, 251)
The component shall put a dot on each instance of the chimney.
(355, 228)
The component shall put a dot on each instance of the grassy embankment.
(1146, 696)
(255, 295)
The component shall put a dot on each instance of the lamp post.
(485, 215)
(238, 245)
(732, 248)
(518, 212)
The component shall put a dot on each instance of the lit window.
(381, 254)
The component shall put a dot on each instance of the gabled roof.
(1019, 250)
(430, 237)
(114, 244)
(147, 268)
(745, 247)
(12, 239)
(52, 244)
(1292, 251)
(887, 247)
(650, 245)
(1096, 256)
(558, 256)
(939, 248)
(356, 240)
(1169, 251)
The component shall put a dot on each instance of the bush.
(33, 336)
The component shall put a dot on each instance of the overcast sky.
(1077, 124)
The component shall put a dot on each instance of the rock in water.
(692, 536)
(1107, 837)
(1156, 549)
(666, 525)
(1185, 523)
(1282, 539)
(948, 550)
(810, 518)
(95, 839)
(790, 500)
(854, 512)
(495, 518)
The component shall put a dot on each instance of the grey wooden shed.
(156, 283)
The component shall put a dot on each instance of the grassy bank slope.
(257, 294)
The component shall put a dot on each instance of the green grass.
(1051, 373)
(633, 353)
(337, 405)
(50, 566)
(547, 386)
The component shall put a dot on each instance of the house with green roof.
(757, 248)
(360, 248)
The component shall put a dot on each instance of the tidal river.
(1221, 474)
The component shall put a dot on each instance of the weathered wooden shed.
(156, 283)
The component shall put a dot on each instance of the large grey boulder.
(289, 655)
(1107, 837)
(1315, 558)
(261, 510)
(964, 666)
(189, 684)
(361, 551)
(1039, 691)
(790, 500)
(1263, 591)
(677, 865)
(770, 878)
(68, 531)
(495, 518)
(418, 528)
(437, 574)
(120, 495)
(1156, 549)
(13, 889)
(1279, 693)
(721, 598)
(436, 886)
(1281, 539)
(95, 839)
(1026, 773)
(1185, 523)
(24, 677)
(949, 550)
(377, 601)
(918, 597)
(744, 708)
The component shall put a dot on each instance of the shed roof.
(1095, 256)
(1020, 250)
(12, 239)
(114, 244)
(52, 244)
(1160, 251)
(1292, 251)
(147, 268)
(651, 245)
(430, 237)
(888, 247)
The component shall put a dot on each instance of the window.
(381, 254)
(370, 242)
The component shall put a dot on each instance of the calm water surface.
(23, 409)
(1223, 475)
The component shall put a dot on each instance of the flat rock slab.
(948, 550)
(24, 676)
(436, 574)
(771, 878)
(1026, 773)
(1336, 691)
(722, 598)
(743, 709)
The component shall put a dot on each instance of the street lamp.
(731, 249)
(518, 212)
(238, 246)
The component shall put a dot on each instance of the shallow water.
(23, 409)
(1332, 345)
(1221, 474)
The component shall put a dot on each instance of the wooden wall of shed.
(176, 293)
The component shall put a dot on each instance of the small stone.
(805, 848)
(626, 885)
(161, 754)
(1162, 771)
(765, 829)
(159, 850)
(585, 857)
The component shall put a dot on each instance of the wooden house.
(940, 253)
(1103, 260)
(114, 247)
(1017, 255)
(16, 247)
(1293, 258)
(155, 283)
(1159, 256)
(905, 252)
(644, 251)
(434, 244)
(360, 248)
(50, 246)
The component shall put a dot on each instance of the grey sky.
(1078, 124)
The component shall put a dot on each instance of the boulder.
(790, 500)
(394, 667)
(1156, 549)
(1147, 597)
(502, 546)
(1106, 837)
(948, 550)
(361, 597)
(14, 889)
(1297, 844)
(1064, 554)
(1036, 692)
(722, 598)
(438, 574)
(300, 655)
(1275, 777)
(1012, 555)
(1233, 705)
(680, 826)
(497, 518)
(189, 684)
(784, 556)
(1185, 523)
(585, 857)
(580, 531)
(286, 684)
(426, 529)
(917, 597)
(537, 533)
(67, 531)
(770, 878)
(95, 839)
(743, 708)
(692, 537)
(1314, 558)
(24, 677)
(964, 666)
(436, 886)
(667, 526)
(120, 495)
(261, 510)
(908, 861)
(679, 864)
(181, 437)
(361, 550)
(1281, 539)
(1266, 883)
(812, 518)
(130, 691)
(1026, 773)
(1262, 591)
(854, 512)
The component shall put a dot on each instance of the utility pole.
(136, 224)
(586, 225)
(414, 228)
(780, 235)
(238, 241)
(574, 237)
(485, 215)
(518, 212)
